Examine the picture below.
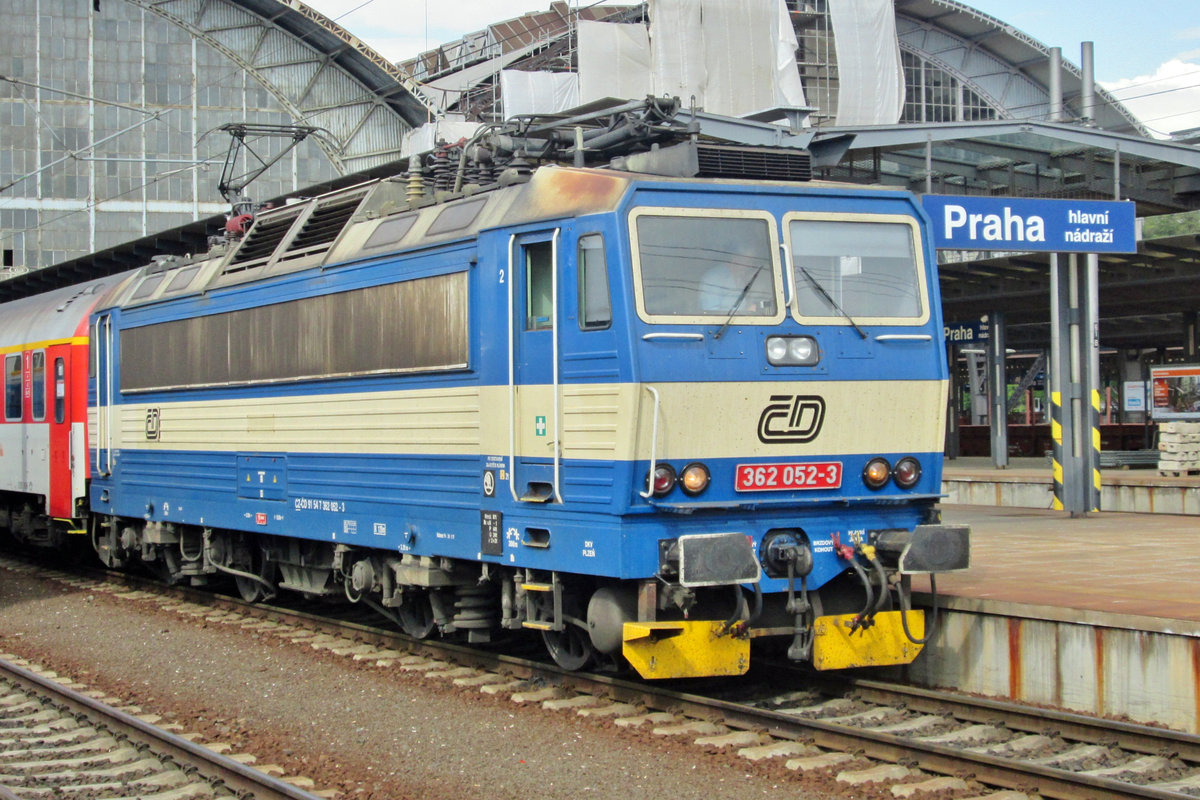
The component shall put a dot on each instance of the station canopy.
(1143, 296)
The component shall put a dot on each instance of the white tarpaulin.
(614, 61)
(868, 55)
(537, 92)
(450, 129)
(732, 57)
(677, 50)
(749, 56)
(787, 76)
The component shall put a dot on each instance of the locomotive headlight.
(802, 350)
(695, 478)
(876, 473)
(792, 351)
(777, 350)
(662, 481)
(907, 472)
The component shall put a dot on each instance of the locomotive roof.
(374, 218)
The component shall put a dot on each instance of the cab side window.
(595, 302)
(539, 277)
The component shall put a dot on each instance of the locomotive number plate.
(788, 477)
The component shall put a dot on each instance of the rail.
(202, 765)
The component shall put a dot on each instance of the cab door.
(535, 421)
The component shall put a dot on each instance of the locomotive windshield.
(708, 267)
(866, 269)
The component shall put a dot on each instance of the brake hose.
(863, 615)
(905, 607)
(739, 606)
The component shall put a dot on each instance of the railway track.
(56, 742)
(861, 731)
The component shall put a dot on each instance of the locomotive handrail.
(554, 353)
(904, 337)
(512, 382)
(665, 335)
(653, 445)
(105, 397)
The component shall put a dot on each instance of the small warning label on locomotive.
(490, 542)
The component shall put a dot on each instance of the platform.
(1099, 614)
(1028, 483)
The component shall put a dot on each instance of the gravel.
(362, 730)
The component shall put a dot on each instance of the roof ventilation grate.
(322, 227)
(765, 163)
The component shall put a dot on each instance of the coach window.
(60, 390)
(539, 277)
(595, 303)
(39, 386)
(12, 387)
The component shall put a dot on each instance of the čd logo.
(791, 419)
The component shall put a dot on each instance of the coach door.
(67, 471)
(533, 321)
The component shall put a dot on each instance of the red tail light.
(662, 481)
(907, 472)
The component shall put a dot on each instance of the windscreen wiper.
(738, 303)
(817, 285)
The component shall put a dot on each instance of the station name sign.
(966, 332)
(1031, 224)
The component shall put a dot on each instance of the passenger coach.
(43, 440)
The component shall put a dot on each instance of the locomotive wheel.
(250, 591)
(416, 615)
(571, 648)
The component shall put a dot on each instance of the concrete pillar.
(997, 386)
(977, 375)
(1074, 373)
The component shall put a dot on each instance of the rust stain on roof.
(566, 191)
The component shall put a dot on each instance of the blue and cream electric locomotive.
(652, 417)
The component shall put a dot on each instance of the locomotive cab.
(792, 381)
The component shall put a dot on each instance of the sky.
(1147, 54)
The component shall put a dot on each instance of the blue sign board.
(1031, 224)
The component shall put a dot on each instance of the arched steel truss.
(320, 73)
(1014, 85)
